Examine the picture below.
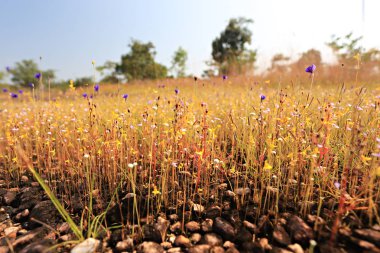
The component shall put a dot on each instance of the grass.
(301, 145)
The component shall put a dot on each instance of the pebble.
(166, 245)
(193, 226)
(207, 225)
(299, 230)
(217, 249)
(125, 245)
(212, 239)
(11, 232)
(198, 208)
(195, 238)
(89, 245)
(150, 247)
(224, 228)
(182, 241)
(202, 248)
(176, 227)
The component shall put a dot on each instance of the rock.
(182, 241)
(232, 250)
(176, 227)
(173, 218)
(251, 247)
(264, 243)
(296, 248)
(207, 225)
(38, 247)
(364, 245)
(24, 179)
(125, 245)
(89, 245)
(217, 249)
(299, 231)
(228, 244)
(22, 215)
(29, 197)
(369, 235)
(224, 228)
(229, 194)
(212, 239)
(280, 236)
(250, 226)
(150, 233)
(9, 197)
(44, 212)
(199, 209)
(166, 245)
(193, 226)
(150, 247)
(213, 212)
(174, 250)
(202, 248)
(162, 225)
(243, 236)
(64, 228)
(4, 249)
(195, 238)
(242, 191)
(11, 232)
(30, 237)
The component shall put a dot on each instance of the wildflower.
(224, 77)
(176, 91)
(93, 62)
(337, 185)
(86, 155)
(267, 166)
(155, 191)
(8, 69)
(262, 97)
(96, 87)
(31, 85)
(13, 95)
(310, 69)
(72, 85)
(130, 165)
(5, 90)
(20, 91)
(84, 95)
(125, 96)
(38, 75)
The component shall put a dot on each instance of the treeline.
(230, 56)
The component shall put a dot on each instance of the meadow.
(128, 154)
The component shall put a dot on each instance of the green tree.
(229, 49)
(179, 62)
(108, 71)
(24, 73)
(139, 63)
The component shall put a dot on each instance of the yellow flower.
(155, 191)
(93, 62)
(365, 159)
(377, 171)
(267, 166)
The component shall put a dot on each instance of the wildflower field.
(147, 156)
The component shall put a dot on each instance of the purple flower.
(311, 69)
(337, 185)
(176, 91)
(13, 95)
(262, 97)
(5, 90)
(8, 69)
(225, 77)
(125, 96)
(37, 76)
(20, 91)
(31, 85)
(84, 95)
(96, 87)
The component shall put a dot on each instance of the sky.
(69, 34)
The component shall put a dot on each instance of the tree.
(345, 48)
(139, 63)
(24, 73)
(279, 63)
(108, 70)
(179, 62)
(229, 49)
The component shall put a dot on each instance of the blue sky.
(69, 34)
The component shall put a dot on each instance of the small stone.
(182, 241)
(125, 245)
(250, 226)
(24, 179)
(162, 225)
(213, 212)
(296, 248)
(64, 238)
(176, 227)
(9, 197)
(264, 243)
(193, 226)
(299, 231)
(224, 228)
(232, 250)
(369, 235)
(174, 250)
(202, 248)
(242, 191)
(173, 218)
(166, 245)
(150, 247)
(217, 249)
(228, 244)
(22, 232)
(150, 233)
(64, 228)
(4, 249)
(212, 239)
(89, 245)
(22, 215)
(195, 238)
(197, 208)
(280, 236)
(35, 184)
(207, 225)
(230, 194)
(11, 232)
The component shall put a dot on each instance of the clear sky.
(69, 34)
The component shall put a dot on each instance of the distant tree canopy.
(139, 63)
(229, 49)
(24, 73)
(179, 62)
(108, 71)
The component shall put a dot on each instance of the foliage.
(108, 71)
(24, 73)
(82, 81)
(229, 49)
(345, 48)
(179, 62)
(139, 63)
